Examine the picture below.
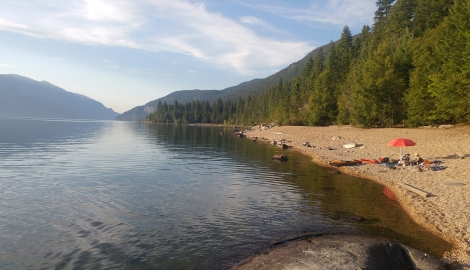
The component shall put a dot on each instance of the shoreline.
(446, 212)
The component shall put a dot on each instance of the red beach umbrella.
(401, 142)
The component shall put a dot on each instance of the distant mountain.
(251, 87)
(24, 97)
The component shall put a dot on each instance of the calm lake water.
(105, 194)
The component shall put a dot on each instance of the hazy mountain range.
(251, 87)
(24, 97)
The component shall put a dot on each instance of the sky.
(125, 53)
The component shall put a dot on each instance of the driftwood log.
(416, 190)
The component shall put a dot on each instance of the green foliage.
(412, 67)
(442, 59)
(429, 14)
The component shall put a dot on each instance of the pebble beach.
(438, 200)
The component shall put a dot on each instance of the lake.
(107, 194)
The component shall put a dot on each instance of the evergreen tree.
(442, 74)
(343, 50)
(401, 17)
(429, 14)
(379, 100)
(417, 52)
(323, 103)
(308, 67)
(382, 12)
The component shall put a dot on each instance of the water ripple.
(92, 195)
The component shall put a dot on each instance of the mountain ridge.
(24, 97)
(253, 86)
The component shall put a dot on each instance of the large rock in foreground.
(342, 252)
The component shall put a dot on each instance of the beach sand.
(446, 212)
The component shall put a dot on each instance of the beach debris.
(278, 133)
(446, 126)
(453, 184)
(238, 134)
(307, 144)
(416, 190)
(284, 146)
(330, 148)
(280, 157)
(339, 163)
(336, 138)
(462, 156)
(453, 156)
(349, 145)
(282, 141)
(265, 126)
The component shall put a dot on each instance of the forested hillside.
(244, 89)
(412, 66)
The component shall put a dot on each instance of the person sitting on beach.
(405, 160)
(418, 160)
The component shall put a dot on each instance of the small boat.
(339, 163)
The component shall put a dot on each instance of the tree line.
(411, 67)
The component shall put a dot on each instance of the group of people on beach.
(406, 160)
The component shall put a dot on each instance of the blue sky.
(125, 53)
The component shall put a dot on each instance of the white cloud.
(251, 20)
(335, 12)
(175, 26)
(16, 27)
(5, 24)
(117, 11)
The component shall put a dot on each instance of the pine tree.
(429, 14)
(308, 67)
(401, 17)
(343, 50)
(323, 103)
(382, 12)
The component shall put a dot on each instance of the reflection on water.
(91, 195)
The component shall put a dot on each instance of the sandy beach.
(446, 209)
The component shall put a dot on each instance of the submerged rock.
(280, 157)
